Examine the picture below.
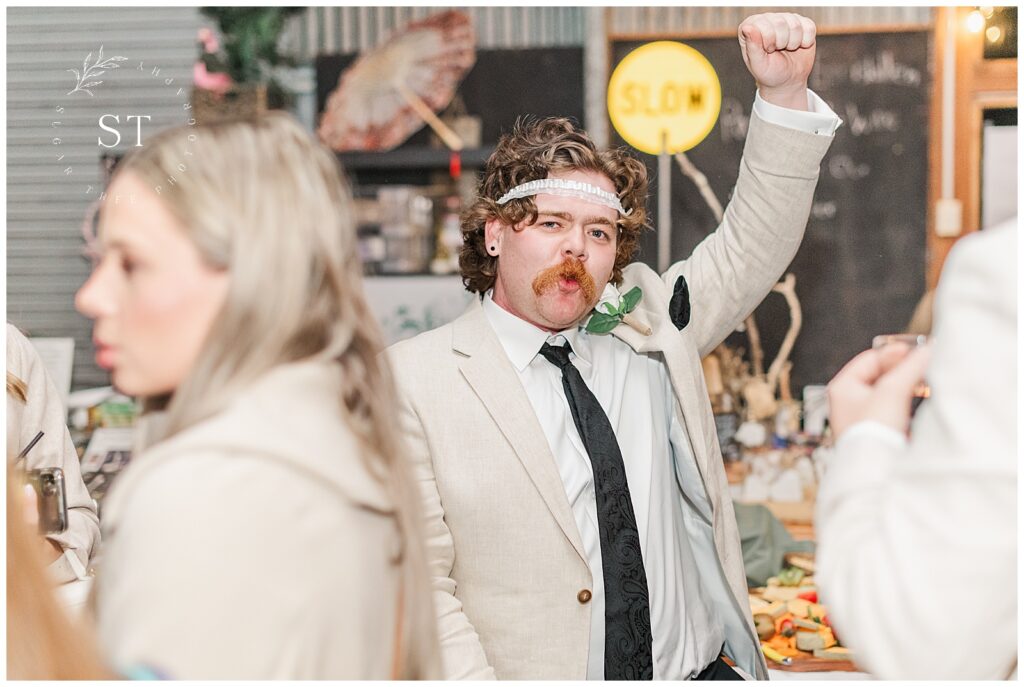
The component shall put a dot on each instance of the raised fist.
(778, 49)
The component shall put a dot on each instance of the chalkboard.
(861, 268)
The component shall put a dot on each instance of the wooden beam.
(979, 84)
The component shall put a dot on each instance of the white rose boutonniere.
(614, 308)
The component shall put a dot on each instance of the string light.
(993, 34)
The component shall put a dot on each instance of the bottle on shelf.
(449, 238)
(405, 228)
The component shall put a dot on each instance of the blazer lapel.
(494, 380)
(683, 365)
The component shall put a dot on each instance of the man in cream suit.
(932, 515)
(578, 518)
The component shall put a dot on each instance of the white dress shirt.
(819, 118)
(636, 394)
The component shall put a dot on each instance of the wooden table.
(810, 664)
(796, 516)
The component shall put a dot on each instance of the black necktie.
(627, 610)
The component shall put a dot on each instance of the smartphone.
(51, 497)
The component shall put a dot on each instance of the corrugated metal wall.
(351, 29)
(45, 206)
(681, 20)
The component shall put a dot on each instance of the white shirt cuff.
(862, 459)
(874, 430)
(818, 119)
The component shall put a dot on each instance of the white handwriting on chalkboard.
(732, 121)
(875, 120)
(825, 76)
(825, 209)
(883, 68)
(843, 167)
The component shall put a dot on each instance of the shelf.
(382, 276)
(412, 158)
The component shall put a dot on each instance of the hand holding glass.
(922, 390)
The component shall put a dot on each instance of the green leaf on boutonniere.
(602, 324)
(630, 300)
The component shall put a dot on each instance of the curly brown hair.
(533, 150)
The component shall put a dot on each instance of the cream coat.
(43, 411)
(917, 540)
(252, 545)
(505, 552)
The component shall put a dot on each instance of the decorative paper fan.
(389, 92)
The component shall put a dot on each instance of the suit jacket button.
(584, 596)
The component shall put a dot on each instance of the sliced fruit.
(764, 625)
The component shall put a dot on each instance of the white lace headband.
(567, 187)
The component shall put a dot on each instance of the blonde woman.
(267, 529)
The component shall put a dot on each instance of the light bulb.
(975, 21)
(993, 34)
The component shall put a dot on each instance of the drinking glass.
(922, 390)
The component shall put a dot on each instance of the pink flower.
(209, 40)
(218, 82)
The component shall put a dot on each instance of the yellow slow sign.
(664, 92)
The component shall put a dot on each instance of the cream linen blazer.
(254, 545)
(506, 559)
(909, 530)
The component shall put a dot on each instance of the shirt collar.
(579, 340)
(522, 340)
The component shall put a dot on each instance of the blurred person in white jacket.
(917, 521)
(33, 406)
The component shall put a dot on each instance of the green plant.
(249, 53)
